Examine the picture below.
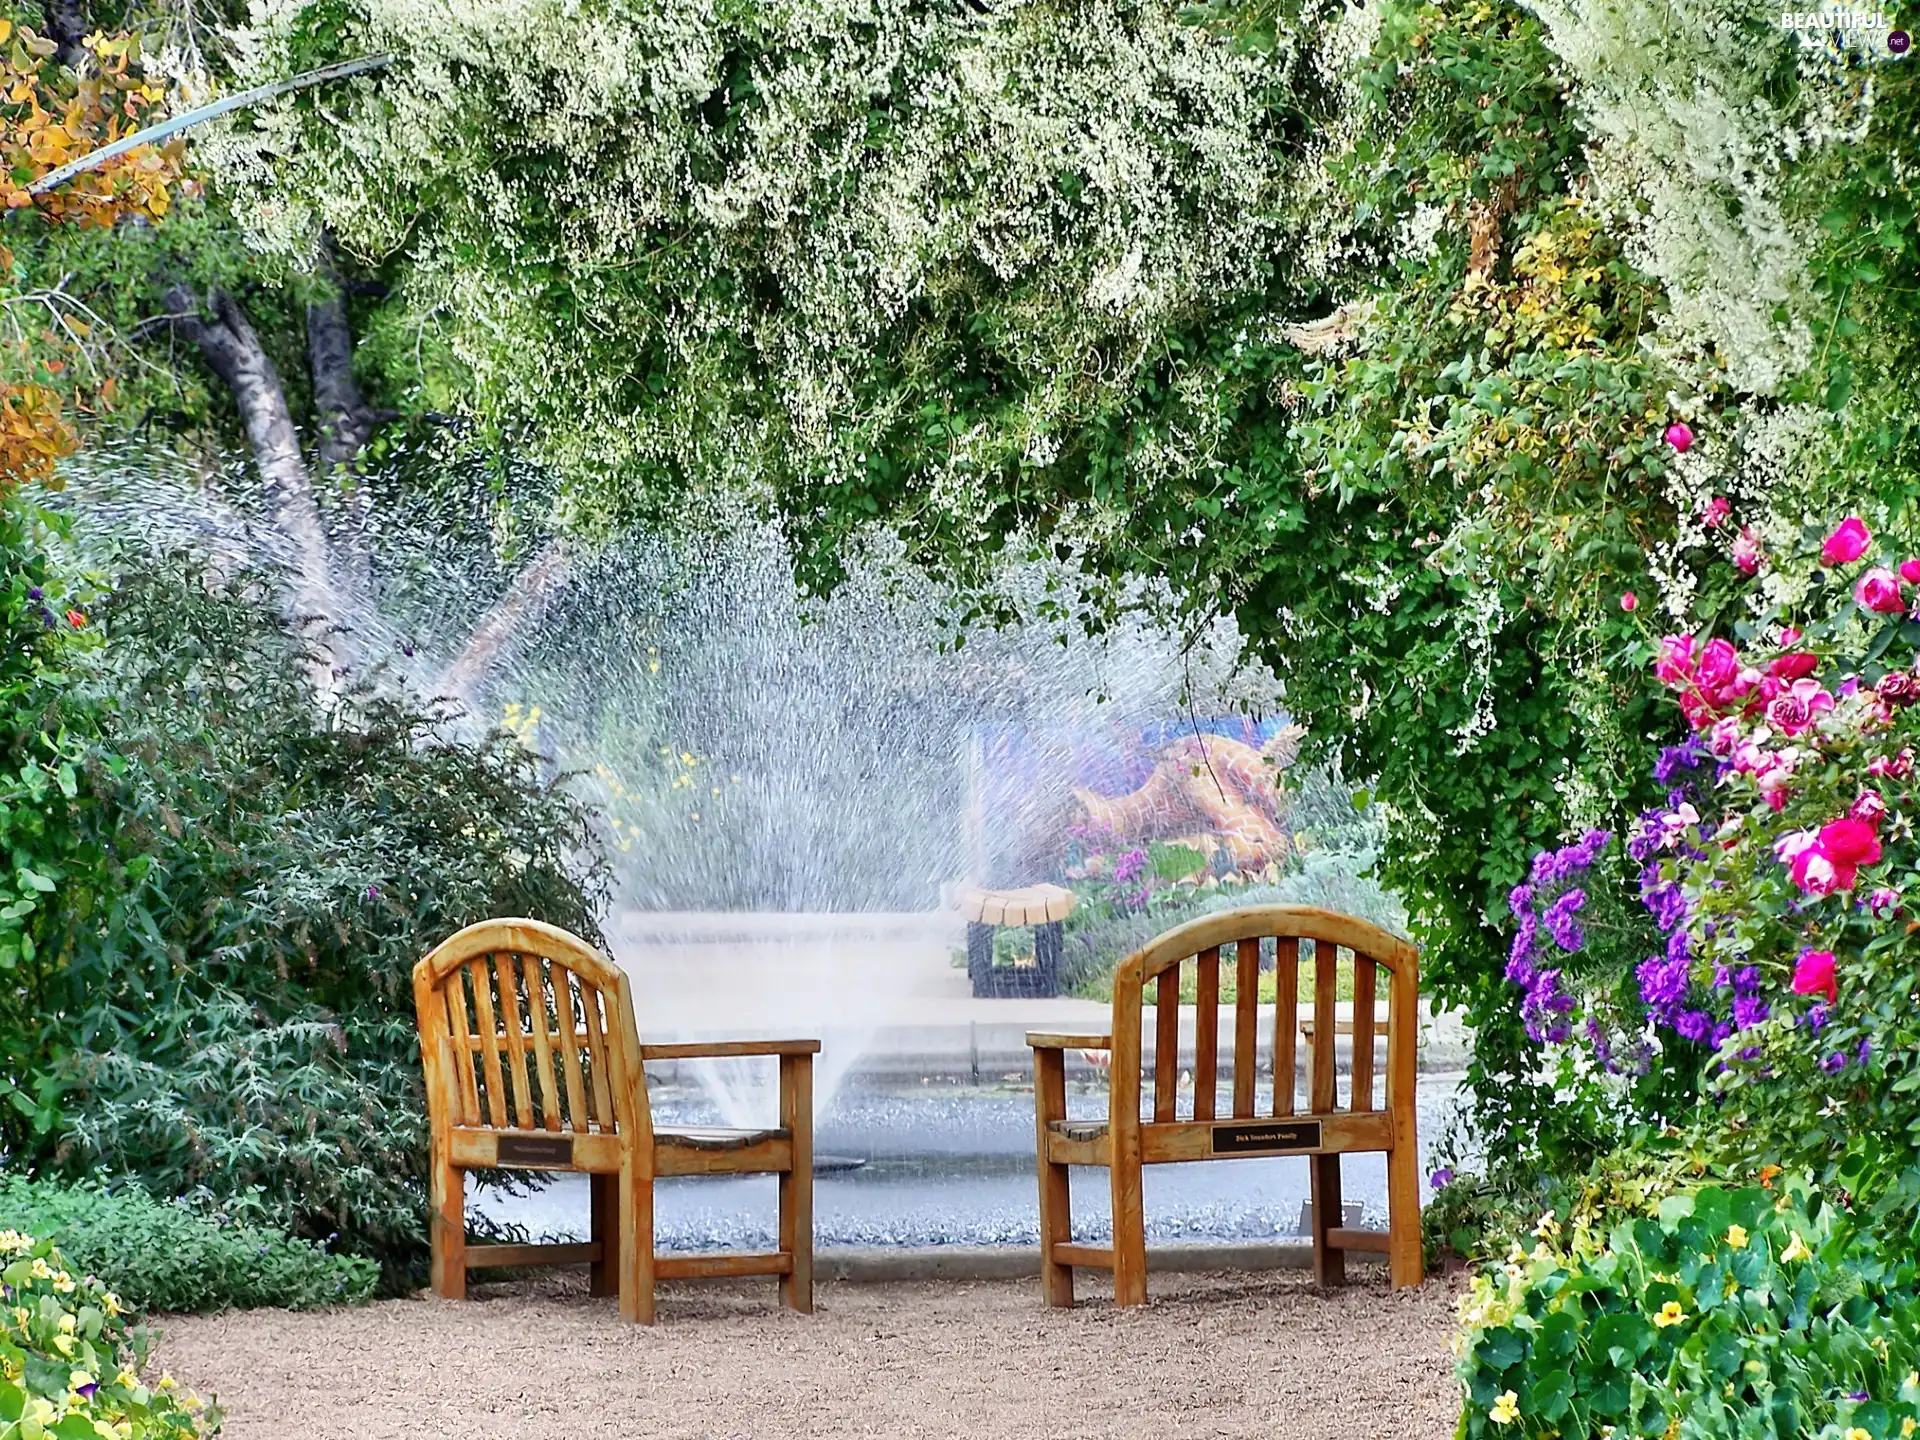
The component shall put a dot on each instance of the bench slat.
(1246, 1027)
(1360, 1081)
(1286, 1021)
(1166, 1045)
(1206, 1035)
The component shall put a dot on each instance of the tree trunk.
(346, 421)
(533, 589)
(67, 26)
(342, 417)
(232, 350)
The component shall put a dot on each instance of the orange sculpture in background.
(1207, 792)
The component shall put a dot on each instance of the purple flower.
(1677, 758)
(1718, 1037)
(1663, 985)
(1667, 903)
(1834, 1063)
(1441, 1178)
(1520, 900)
(85, 1392)
(373, 892)
(1866, 1050)
(1560, 921)
(36, 593)
(1524, 947)
(1128, 867)
(1748, 1011)
(1746, 980)
(1816, 1017)
(1693, 1024)
(1602, 1049)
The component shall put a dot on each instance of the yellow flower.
(1856, 1433)
(12, 1240)
(1506, 1409)
(64, 1344)
(1908, 1426)
(1736, 1237)
(1796, 1251)
(1670, 1314)
(63, 1283)
(66, 1324)
(1548, 1227)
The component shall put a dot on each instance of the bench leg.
(796, 1185)
(1129, 1234)
(1406, 1257)
(603, 1277)
(1056, 1212)
(1329, 1264)
(636, 1244)
(447, 1226)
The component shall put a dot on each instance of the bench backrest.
(524, 1026)
(1334, 942)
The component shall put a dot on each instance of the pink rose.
(1850, 843)
(1795, 843)
(1879, 591)
(1795, 665)
(1629, 602)
(1897, 767)
(1724, 736)
(1675, 662)
(1746, 550)
(1680, 436)
(1790, 635)
(1884, 903)
(1716, 512)
(1869, 809)
(1910, 571)
(1799, 706)
(1719, 668)
(1813, 975)
(1847, 543)
(1813, 872)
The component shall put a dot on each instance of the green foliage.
(163, 1256)
(1728, 1313)
(70, 1364)
(220, 1007)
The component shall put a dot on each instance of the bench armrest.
(725, 1049)
(1048, 1040)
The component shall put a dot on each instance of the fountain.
(794, 790)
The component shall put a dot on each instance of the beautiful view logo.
(1862, 26)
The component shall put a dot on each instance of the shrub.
(1728, 1313)
(70, 1362)
(161, 1255)
(220, 1007)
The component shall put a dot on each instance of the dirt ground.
(1244, 1355)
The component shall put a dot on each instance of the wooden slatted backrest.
(524, 1026)
(1236, 938)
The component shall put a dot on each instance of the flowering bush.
(70, 1364)
(1725, 1313)
(1776, 876)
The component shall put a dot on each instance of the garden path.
(1242, 1355)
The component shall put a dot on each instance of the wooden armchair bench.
(1324, 1130)
(533, 1062)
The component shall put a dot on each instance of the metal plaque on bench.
(1265, 1137)
(535, 1150)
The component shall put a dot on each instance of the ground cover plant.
(161, 1255)
(72, 1362)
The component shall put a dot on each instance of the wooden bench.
(1324, 1130)
(533, 1062)
(1041, 906)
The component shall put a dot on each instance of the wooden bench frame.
(509, 1087)
(1322, 1131)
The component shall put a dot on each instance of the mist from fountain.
(791, 785)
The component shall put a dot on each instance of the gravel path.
(1242, 1355)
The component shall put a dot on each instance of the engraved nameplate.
(1262, 1137)
(536, 1151)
